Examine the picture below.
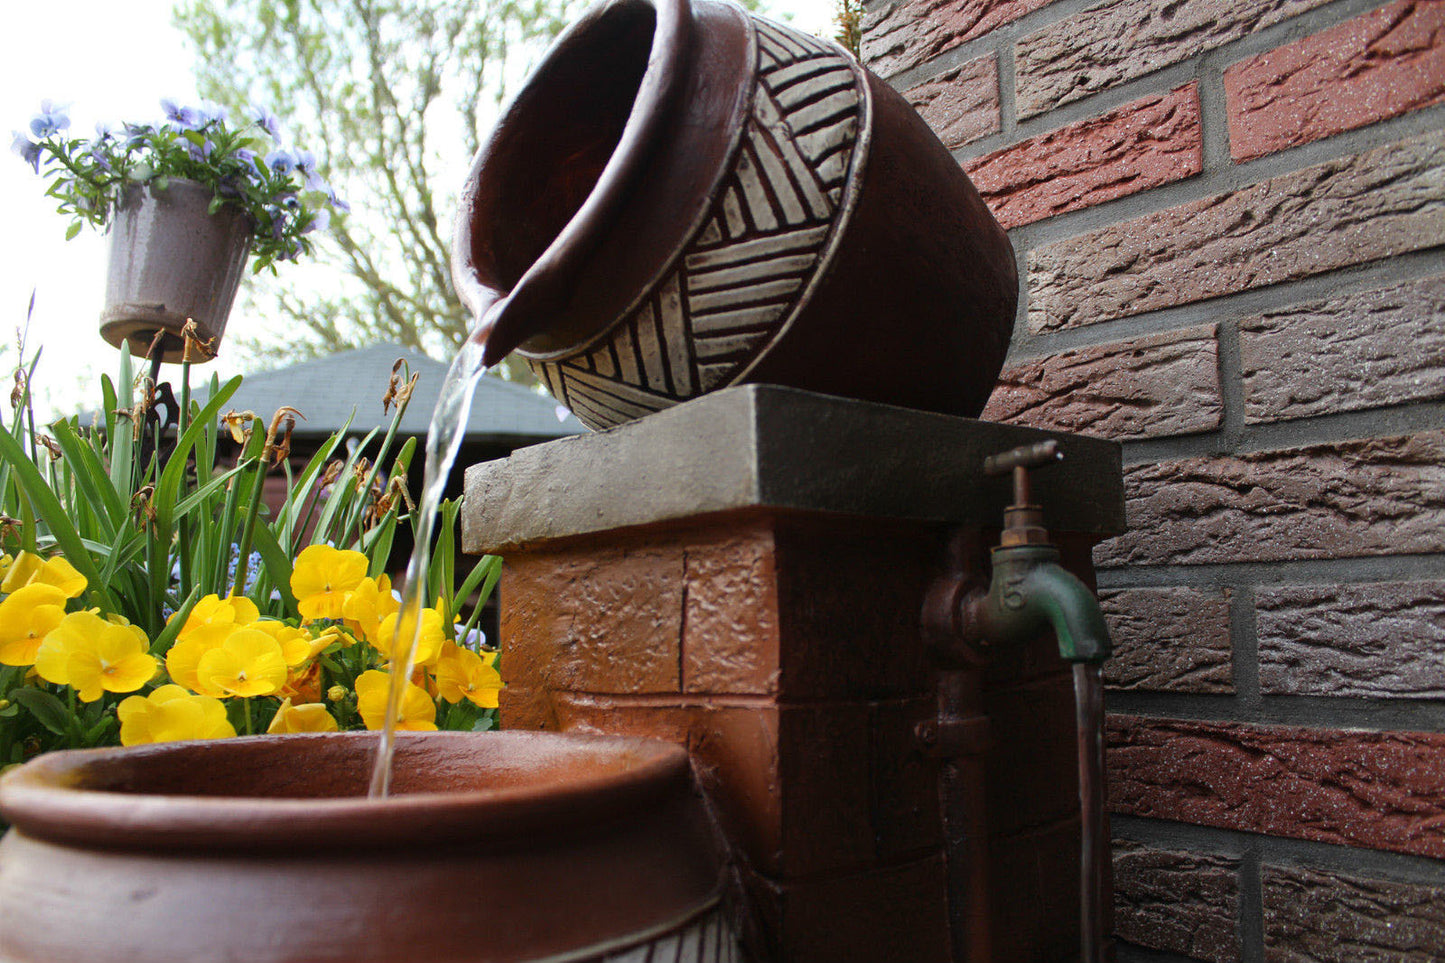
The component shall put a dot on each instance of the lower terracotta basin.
(498, 846)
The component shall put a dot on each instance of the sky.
(110, 61)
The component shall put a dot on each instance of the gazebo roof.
(328, 390)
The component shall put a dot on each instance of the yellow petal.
(308, 717)
(26, 617)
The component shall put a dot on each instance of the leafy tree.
(398, 95)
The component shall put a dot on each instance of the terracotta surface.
(715, 218)
(267, 847)
(803, 728)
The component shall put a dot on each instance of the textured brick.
(1119, 40)
(1380, 640)
(1374, 496)
(1169, 640)
(730, 629)
(554, 639)
(907, 33)
(1382, 202)
(1381, 790)
(1345, 353)
(1166, 384)
(1178, 902)
(1311, 916)
(1141, 145)
(961, 105)
(1368, 69)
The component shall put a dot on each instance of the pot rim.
(552, 276)
(47, 798)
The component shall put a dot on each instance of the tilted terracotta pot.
(494, 847)
(172, 261)
(685, 197)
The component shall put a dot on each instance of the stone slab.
(762, 447)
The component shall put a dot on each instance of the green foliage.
(154, 522)
(848, 18)
(400, 94)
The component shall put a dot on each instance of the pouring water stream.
(443, 440)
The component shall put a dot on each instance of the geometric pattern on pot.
(752, 263)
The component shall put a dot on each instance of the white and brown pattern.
(746, 271)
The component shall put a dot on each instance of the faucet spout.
(1031, 590)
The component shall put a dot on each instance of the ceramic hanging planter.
(172, 261)
(685, 197)
(493, 847)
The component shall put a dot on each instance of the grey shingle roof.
(326, 390)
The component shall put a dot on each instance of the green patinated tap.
(1029, 588)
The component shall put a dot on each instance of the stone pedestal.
(745, 574)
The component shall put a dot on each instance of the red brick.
(1178, 902)
(961, 105)
(910, 32)
(1381, 640)
(1376, 66)
(1377, 496)
(1141, 145)
(1380, 790)
(1118, 40)
(1169, 640)
(1383, 202)
(1165, 384)
(1313, 916)
(1345, 353)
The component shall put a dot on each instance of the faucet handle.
(1023, 521)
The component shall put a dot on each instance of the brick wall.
(1229, 218)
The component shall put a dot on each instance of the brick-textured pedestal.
(745, 574)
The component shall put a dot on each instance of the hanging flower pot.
(172, 260)
(186, 200)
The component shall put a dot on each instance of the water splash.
(443, 440)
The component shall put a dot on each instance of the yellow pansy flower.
(310, 717)
(367, 604)
(170, 713)
(417, 711)
(28, 569)
(248, 663)
(392, 643)
(297, 645)
(26, 616)
(184, 658)
(92, 656)
(235, 610)
(463, 674)
(321, 579)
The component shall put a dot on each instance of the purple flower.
(265, 120)
(320, 221)
(245, 155)
(98, 156)
(28, 150)
(306, 165)
(103, 130)
(281, 161)
(134, 135)
(186, 118)
(337, 202)
(200, 151)
(52, 119)
(212, 113)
